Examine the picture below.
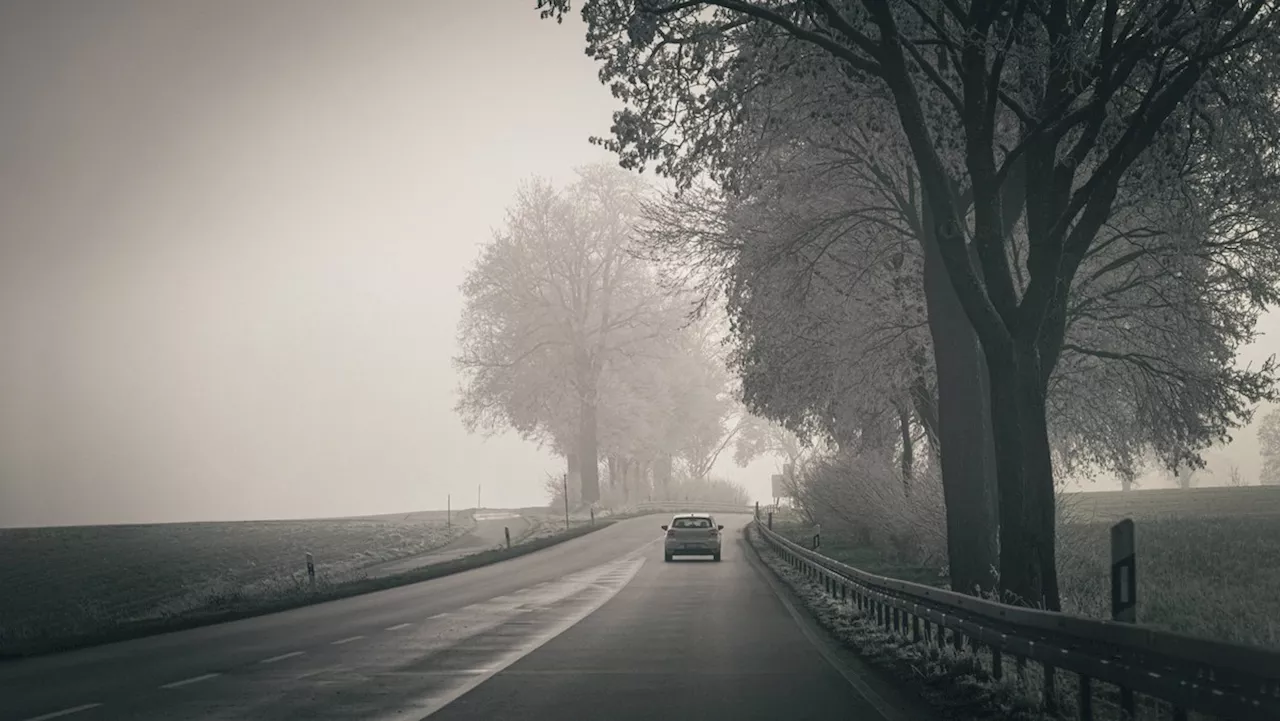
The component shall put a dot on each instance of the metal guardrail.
(1226, 680)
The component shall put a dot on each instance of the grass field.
(1208, 558)
(65, 582)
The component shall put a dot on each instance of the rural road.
(596, 627)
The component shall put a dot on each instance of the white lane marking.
(348, 639)
(399, 626)
(438, 615)
(188, 681)
(282, 657)
(65, 712)
(435, 704)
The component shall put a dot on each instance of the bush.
(865, 498)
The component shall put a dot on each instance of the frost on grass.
(77, 581)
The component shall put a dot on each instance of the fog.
(233, 238)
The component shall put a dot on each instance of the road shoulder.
(887, 693)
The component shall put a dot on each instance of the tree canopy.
(1053, 154)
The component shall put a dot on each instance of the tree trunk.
(1126, 484)
(1028, 572)
(589, 451)
(662, 476)
(965, 446)
(573, 470)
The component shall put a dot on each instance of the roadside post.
(770, 520)
(565, 478)
(448, 511)
(817, 536)
(1124, 588)
(757, 510)
(506, 530)
(593, 515)
(311, 571)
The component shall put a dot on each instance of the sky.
(233, 238)
(233, 235)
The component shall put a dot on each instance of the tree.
(551, 302)
(1015, 115)
(1269, 440)
(830, 344)
(670, 399)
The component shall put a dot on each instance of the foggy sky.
(233, 234)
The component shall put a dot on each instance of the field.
(67, 582)
(1208, 558)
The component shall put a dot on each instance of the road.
(597, 627)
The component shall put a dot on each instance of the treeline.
(993, 243)
(573, 339)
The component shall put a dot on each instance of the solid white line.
(65, 712)
(398, 626)
(348, 639)
(438, 615)
(186, 681)
(435, 704)
(282, 657)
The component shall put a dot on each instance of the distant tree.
(1234, 478)
(1269, 440)
(552, 300)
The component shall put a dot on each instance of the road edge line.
(856, 672)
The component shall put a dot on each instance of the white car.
(692, 534)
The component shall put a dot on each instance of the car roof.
(692, 515)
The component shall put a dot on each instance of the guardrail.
(1226, 680)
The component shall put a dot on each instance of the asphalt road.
(597, 627)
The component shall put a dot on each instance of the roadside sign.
(779, 486)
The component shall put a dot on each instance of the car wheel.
(667, 557)
(715, 556)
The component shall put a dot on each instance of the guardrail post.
(757, 510)
(1050, 686)
(506, 531)
(770, 520)
(1124, 588)
(1085, 703)
(311, 571)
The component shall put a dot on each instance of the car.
(692, 534)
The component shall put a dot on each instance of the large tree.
(1016, 115)
(553, 299)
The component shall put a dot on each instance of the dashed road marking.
(65, 712)
(189, 681)
(438, 615)
(282, 657)
(348, 639)
(398, 626)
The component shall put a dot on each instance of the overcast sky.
(233, 234)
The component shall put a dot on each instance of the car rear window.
(691, 523)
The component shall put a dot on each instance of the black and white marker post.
(1124, 588)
